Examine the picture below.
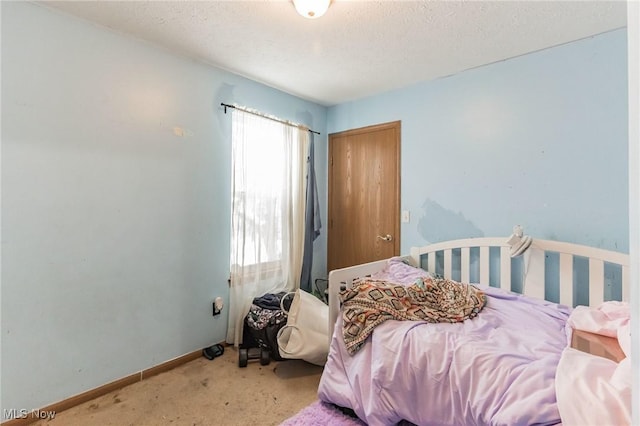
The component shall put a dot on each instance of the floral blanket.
(370, 303)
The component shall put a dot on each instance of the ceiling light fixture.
(311, 9)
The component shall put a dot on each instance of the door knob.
(386, 237)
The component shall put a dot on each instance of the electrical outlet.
(217, 306)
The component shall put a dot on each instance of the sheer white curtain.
(269, 161)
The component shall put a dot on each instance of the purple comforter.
(496, 369)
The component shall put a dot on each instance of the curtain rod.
(262, 115)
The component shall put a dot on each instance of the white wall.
(115, 233)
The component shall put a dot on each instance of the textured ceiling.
(359, 48)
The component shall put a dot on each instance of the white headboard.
(534, 261)
(477, 253)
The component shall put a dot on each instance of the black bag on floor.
(262, 323)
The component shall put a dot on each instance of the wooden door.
(364, 195)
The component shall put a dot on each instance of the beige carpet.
(204, 392)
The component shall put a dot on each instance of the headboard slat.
(465, 256)
(534, 264)
(447, 264)
(505, 268)
(625, 283)
(596, 282)
(566, 279)
(484, 265)
(431, 262)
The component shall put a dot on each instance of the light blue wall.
(539, 140)
(115, 232)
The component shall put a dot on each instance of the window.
(268, 177)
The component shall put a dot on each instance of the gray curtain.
(312, 221)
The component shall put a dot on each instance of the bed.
(513, 362)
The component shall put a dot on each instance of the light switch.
(405, 216)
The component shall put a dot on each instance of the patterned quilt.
(370, 303)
